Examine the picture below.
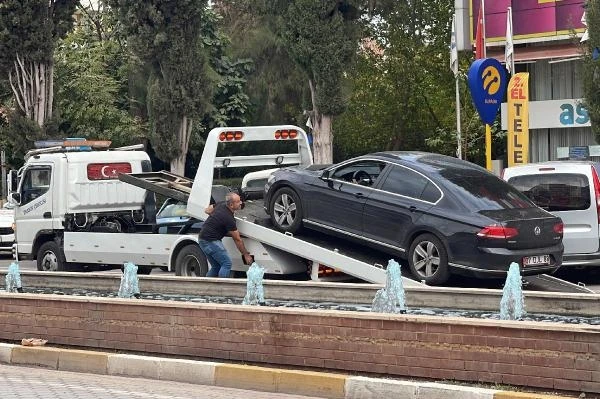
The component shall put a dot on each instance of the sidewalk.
(297, 382)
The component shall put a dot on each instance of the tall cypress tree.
(323, 38)
(29, 30)
(167, 38)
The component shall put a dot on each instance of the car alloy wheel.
(426, 258)
(285, 210)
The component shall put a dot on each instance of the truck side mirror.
(12, 181)
(15, 198)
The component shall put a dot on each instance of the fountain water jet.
(129, 282)
(391, 299)
(255, 294)
(13, 278)
(512, 304)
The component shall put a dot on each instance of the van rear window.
(555, 192)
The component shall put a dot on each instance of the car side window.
(365, 172)
(409, 183)
(36, 183)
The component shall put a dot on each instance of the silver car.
(571, 191)
(7, 234)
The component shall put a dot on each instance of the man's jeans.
(220, 262)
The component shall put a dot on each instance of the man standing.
(220, 223)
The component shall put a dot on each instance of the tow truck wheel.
(50, 259)
(191, 262)
(428, 260)
(286, 210)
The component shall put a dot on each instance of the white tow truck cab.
(73, 186)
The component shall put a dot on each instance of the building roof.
(534, 53)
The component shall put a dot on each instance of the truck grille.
(5, 231)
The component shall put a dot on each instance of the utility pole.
(3, 173)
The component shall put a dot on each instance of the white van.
(571, 191)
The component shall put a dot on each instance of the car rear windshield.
(485, 192)
(555, 192)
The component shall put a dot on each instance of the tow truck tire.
(50, 258)
(428, 260)
(286, 220)
(191, 262)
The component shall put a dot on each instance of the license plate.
(536, 260)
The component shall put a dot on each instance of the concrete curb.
(320, 384)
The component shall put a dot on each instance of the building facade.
(546, 37)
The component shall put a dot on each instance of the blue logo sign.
(487, 82)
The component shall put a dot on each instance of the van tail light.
(558, 228)
(498, 232)
(596, 191)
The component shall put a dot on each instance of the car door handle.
(47, 215)
(412, 208)
(359, 195)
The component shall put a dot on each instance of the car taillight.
(495, 231)
(596, 191)
(558, 228)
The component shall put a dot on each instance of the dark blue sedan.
(444, 215)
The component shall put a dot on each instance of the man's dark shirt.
(218, 224)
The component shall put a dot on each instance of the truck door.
(34, 214)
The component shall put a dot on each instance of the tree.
(276, 85)
(92, 80)
(322, 36)
(167, 37)
(591, 80)
(403, 90)
(29, 30)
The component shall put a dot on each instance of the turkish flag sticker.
(107, 171)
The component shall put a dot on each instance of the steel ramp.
(545, 282)
(327, 257)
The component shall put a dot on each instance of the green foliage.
(403, 88)
(276, 85)
(322, 37)
(591, 80)
(230, 101)
(91, 78)
(167, 38)
(31, 28)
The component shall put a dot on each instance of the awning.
(534, 53)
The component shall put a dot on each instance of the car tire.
(144, 270)
(428, 260)
(286, 210)
(191, 262)
(50, 258)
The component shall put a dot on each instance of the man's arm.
(235, 234)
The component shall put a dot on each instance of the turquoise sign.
(487, 82)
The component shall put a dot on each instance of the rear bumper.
(573, 260)
(494, 262)
(6, 243)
